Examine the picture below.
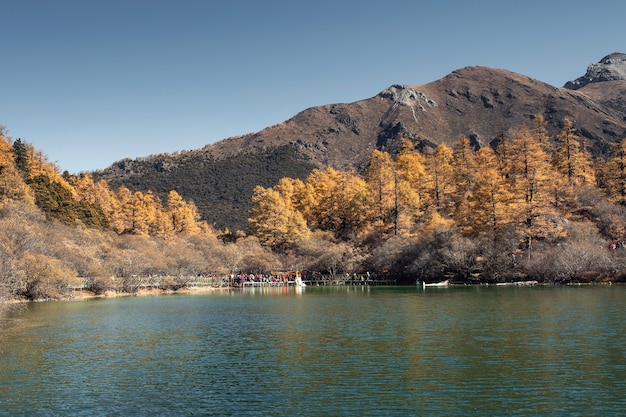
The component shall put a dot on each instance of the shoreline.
(83, 295)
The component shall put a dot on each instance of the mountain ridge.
(483, 103)
(510, 98)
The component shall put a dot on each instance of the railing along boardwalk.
(323, 280)
(338, 280)
(217, 282)
(265, 283)
(164, 282)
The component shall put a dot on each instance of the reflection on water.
(325, 351)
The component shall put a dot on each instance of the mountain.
(610, 68)
(483, 103)
(604, 82)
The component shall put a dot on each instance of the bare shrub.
(610, 219)
(42, 277)
(582, 257)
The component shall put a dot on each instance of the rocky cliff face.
(610, 68)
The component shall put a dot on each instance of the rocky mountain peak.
(406, 95)
(610, 68)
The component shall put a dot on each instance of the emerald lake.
(322, 351)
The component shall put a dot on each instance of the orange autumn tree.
(491, 199)
(411, 174)
(540, 131)
(441, 185)
(530, 174)
(570, 157)
(613, 173)
(182, 215)
(94, 193)
(273, 218)
(12, 181)
(464, 173)
(299, 194)
(382, 184)
(340, 202)
(149, 208)
(143, 214)
(123, 215)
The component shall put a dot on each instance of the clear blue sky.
(92, 82)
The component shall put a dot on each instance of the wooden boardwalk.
(323, 280)
(338, 280)
(136, 283)
(266, 284)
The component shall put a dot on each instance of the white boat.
(298, 282)
(436, 284)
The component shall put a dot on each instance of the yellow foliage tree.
(613, 173)
(435, 223)
(12, 185)
(122, 214)
(464, 173)
(411, 174)
(299, 194)
(464, 165)
(148, 208)
(183, 215)
(531, 175)
(143, 214)
(540, 132)
(97, 193)
(441, 186)
(571, 159)
(490, 199)
(382, 184)
(339, 201)
(273, 219)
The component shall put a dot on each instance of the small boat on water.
(436, 284)
(298, 282)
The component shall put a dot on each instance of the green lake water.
(324, 351)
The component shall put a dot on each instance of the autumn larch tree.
(442, 186)
(411, 175)
(274, 221)
(382, 184)
(490, 200)
(530, 174)
(464, 173)
(12, 181)
(340, 202)
(570, 158)
(613, 173)
(183, 215)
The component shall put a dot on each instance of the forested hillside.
(59, 231)
(536, 206)
(221, 188)
(484, 104)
